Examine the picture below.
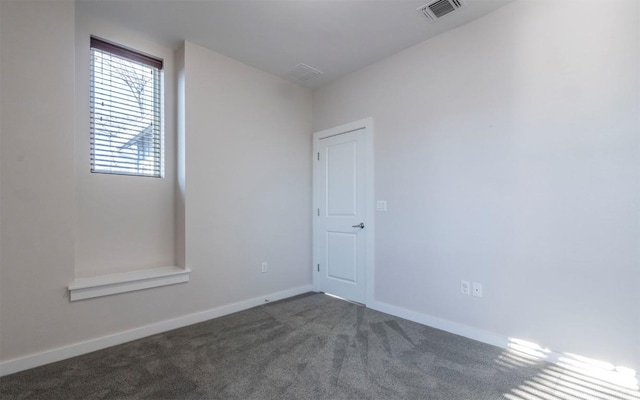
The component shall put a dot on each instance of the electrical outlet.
(265, 267)
(465, 287)
(477, 289)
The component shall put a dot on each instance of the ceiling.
(333, 36)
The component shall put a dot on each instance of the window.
(126, 111)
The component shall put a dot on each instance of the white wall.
(248, 180)
(123, 223)
(248, 177)
(508, 152)
(37, 205)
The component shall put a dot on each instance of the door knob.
(360, 225)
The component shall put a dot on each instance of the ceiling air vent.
(303, 72)
(439, 8)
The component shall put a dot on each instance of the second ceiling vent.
(439, 8)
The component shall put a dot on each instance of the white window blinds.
(126, 111)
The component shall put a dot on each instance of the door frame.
(369, 231)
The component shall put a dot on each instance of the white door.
(341, 225)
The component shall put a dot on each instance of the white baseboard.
(443, 324)
(566, 360)
(76, 349)
(469, 332)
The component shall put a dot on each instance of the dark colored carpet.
(307, 347)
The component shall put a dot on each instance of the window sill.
(105, 285)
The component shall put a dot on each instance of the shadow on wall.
(570, 377)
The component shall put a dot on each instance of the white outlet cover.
(477, 289)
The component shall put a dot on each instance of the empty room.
(179, 220)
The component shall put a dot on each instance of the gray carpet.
(307, 347)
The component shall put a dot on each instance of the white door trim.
(367, 125)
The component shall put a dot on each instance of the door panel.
(342, 250)
(342, 179)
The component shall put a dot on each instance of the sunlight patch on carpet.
(570, 376)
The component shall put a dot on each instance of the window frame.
(158, 145)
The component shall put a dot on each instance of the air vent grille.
(439, 8)
(303, 72)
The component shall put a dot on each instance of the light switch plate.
(465, 287)
(381, 205)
